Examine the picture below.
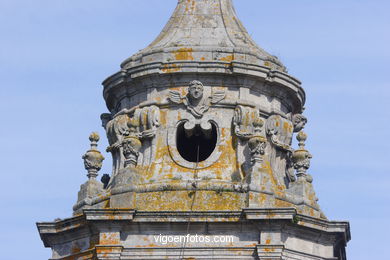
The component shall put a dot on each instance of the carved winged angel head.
(195, 90)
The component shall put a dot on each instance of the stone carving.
(301, 158)
(116, 129)
(126, 131)
(280, 131)
(290, 167)
(195, 101)
(299, 122)
(149, 121)
(247, 122)
(248, 125)
(257, 146)
(131, 144)
(93, 159)
(146, 120)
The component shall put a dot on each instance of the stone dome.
(203, 32)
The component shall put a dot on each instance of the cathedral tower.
(200, 130)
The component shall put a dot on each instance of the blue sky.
(55, 53)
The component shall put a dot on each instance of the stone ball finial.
(94, 137)
(301, 137)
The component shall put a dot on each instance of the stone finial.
(93, 159)
(301, 157)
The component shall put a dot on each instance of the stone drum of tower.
(195, 100)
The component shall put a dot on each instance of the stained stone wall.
(200, 126)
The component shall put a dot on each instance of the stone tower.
(200, 127)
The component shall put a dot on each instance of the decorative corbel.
(248, 125)
(257, 143)
(132, 144)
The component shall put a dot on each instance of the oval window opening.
(191, 142)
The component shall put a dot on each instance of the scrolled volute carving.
(280, 131)
(195, 100)
(301, 158)
(247, 122)
(93, 159)
(116, 129)
(144, 121)
(149, 121)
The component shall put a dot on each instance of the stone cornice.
(89, 216)
(213, 67)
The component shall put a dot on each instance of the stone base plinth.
(248, 234)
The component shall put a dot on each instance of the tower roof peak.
(204, 31)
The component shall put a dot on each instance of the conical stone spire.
(202, 37)
(204, 31)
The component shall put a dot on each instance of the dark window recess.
(187, 143)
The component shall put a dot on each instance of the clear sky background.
(55, 53)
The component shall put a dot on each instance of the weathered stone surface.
(256, 234)
(200, 129)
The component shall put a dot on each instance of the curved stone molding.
(246, 122)
(189, 124)
(149, 120)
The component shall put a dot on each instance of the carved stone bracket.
(257, 146)
(126, 132)
(247, 122)
(131, 146)
(144, 121)
(149, 121)
(248, 125)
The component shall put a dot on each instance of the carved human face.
(196, 90)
